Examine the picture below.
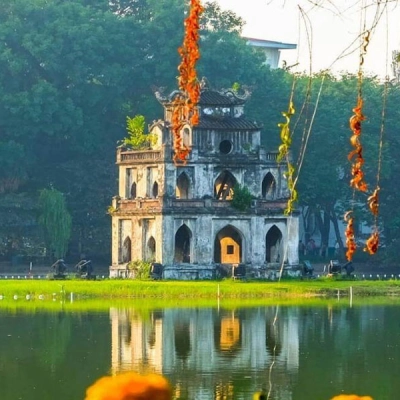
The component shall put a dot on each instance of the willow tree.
(55, 220)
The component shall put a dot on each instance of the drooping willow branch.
(185, 106)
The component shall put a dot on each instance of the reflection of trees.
(54, 340)
(35, 355)
(349, 347)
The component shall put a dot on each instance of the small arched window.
(133, 191)
(126, 250)
(151, 249)
(154, 191)
(268, 187)
(182, 186)
(223, 187)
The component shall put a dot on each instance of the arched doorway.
(223, 187)
(183, 237)
(228, 246)
(268, 187)
(126, 250)
(182, 186)
(273, 245)
(151, 249)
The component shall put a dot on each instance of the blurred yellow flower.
(130, 386)
(351, 397)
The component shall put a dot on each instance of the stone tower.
(181, 215)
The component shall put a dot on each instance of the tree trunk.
(336, 228)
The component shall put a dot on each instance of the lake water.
(308, 353)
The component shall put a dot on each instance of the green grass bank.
(195, 290)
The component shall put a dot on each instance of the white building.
(272, 50)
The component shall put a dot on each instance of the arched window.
(228, 246)
(182, 186)
(133, 191)
(151, 249)
(183, 238)
(273, 245)
(268, 187)
(154, 191)
(223, 187)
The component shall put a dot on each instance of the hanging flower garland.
(357, 181)
(185, 106)
(372, 243)
(350, 237)
(284, 153)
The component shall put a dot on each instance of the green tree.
(324, 177)
(55, 221)
(137, 139)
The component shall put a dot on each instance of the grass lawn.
(199, 290)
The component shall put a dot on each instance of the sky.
(335, 25)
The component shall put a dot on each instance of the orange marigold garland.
(357, 182)
(351, 397)
(185, 106)
(356, 156)
(372, 244)
(349, 234)
(130, 386)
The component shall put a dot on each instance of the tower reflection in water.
(209, 353)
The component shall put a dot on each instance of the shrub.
(241, 197)
(141, 268)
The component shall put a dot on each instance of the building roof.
(209, 97)
(228, 123)
(214, 98)
(270, 44)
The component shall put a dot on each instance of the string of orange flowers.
(356, 156)
(185, 105)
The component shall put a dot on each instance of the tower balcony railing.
(157, 204)
(139, 204)
(128, 156)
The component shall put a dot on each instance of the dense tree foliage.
(72, 72)
(55, 221)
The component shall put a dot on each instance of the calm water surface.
(207, 353)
